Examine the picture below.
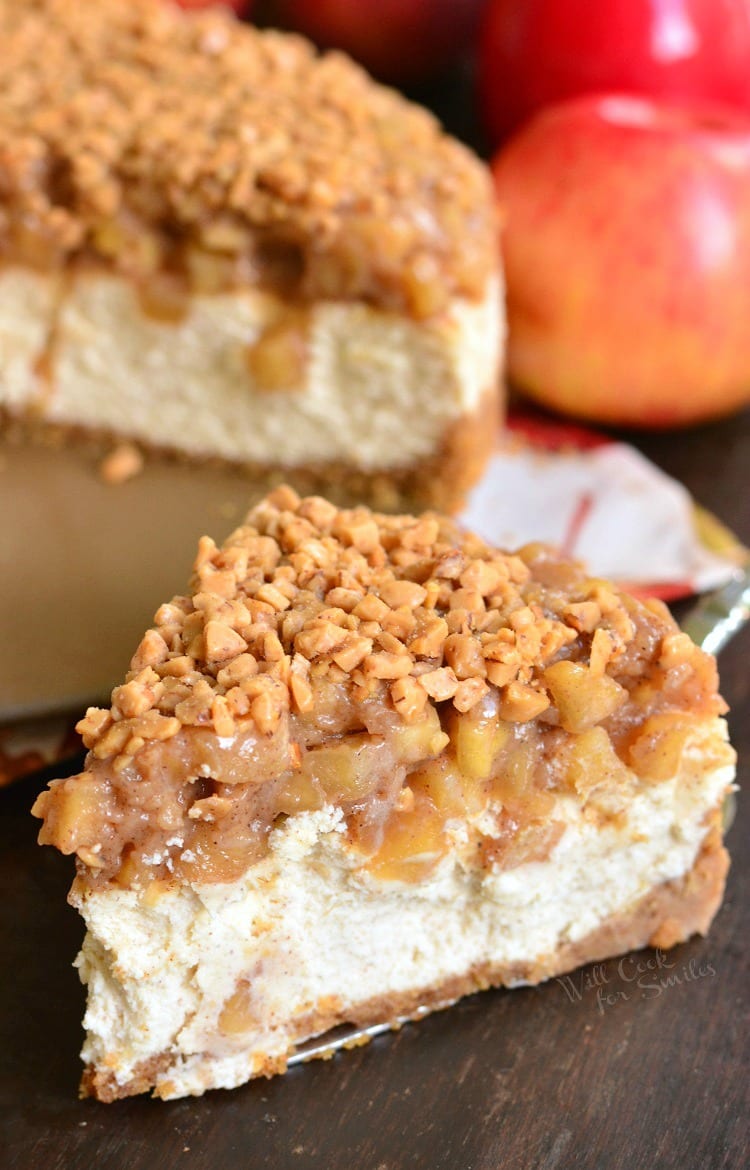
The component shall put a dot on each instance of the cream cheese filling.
(376, 390)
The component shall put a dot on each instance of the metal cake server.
(715, 619)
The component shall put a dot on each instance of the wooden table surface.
(619, 1068)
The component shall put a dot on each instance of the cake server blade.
(351, 1036)
(717, 617)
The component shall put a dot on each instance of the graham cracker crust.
(669, 914)
(441, 481)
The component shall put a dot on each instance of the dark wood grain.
(540, 1078)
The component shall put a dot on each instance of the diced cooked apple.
(300, 792)
(420, 741)
(278, 358)
(519, 845)
(129, 872)
(514, 780)
(656, 753)
(347, 770)
(237, 1014)
(164, 297)
(211, 858)
(247, 758)
(582, 699)
(413, 843)
(478, 742)
(75, 818)
(441, 781)
(592, 761)
(209, 271)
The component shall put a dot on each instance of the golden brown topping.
(93, 725)
(141, 135)
(371, 609)
(676, 649)
(396, 593)
(440, 684)
(152, 651)
(464, 653)
(408, 698)
(431, 641)
(602, 649)
(222, 717)
(301, 692)
(138, 695)
(353, 651)
(222, 642)
(583, 615)
(304, 597)
(468, 693)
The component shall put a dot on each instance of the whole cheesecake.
(218, 243)
(366, 766)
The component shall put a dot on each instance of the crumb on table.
(121, 464)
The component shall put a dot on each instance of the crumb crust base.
(441, 481)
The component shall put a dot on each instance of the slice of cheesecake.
(367, 766)
(218, 243)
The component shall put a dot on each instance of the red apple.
(627, 251)
(241, 7)
(397, 40)
(537, 52)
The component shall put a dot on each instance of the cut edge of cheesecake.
(347, 398)
(368, 766)
(668, 913)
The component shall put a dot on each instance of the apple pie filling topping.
(397, 668)
(152, 140)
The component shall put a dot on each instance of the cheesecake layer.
(206, 986)
(246, 376)
(28, 311)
